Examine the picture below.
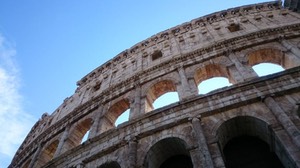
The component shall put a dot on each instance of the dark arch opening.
(168, 153)
(249, 151)
(250, 126)
(110, 165)
(177, 161)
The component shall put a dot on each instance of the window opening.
(234, 27)
(156, 55)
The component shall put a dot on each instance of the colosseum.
(252, 123)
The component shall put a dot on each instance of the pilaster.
(243, 73)
(135, 108)
(132, 153)
(35, 156)
(205, 156)
(284, 120)
(62, 140)
(95, 127)
(185, 89)
(195, 155)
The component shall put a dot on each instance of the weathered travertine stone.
(223, 44)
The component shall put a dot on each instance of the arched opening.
(268, 61)
(165, 99)
(212, 77)
(123, 117)
(270, 55)
(115, 112)
(77, 134)
(47, 154)
(264, 69)
(178, 161)
(110, 165)
(213, 84)
(168, 153)
(162, 93)
(250, 151)
(85, 137)
(244, 134)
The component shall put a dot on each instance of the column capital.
(195, 118)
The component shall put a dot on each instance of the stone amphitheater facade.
(197, 128)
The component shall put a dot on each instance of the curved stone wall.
(223, 44)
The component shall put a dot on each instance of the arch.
(246, 126)
(112, 164)
(157, 90)
(77, 133)
(266, 55)
(249, 151)
(110, 117)
(210, 72)
(167, 153)
(47, 154)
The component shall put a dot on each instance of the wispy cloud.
(14, 122)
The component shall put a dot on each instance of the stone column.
(95, 127)
(284, 120)
(135, 108)
(205, 156)
(290, 47)
(243, 71)
(35, 156)
(217, 155)
(62, 140)
(193, 86)
(195, 155)
(185, 90)
(132, 153)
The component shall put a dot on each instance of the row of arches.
(120, 111)
(207, 78)
(165, 92)
(243, 141)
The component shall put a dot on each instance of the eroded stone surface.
(198, 127)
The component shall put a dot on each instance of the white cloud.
(14, 122)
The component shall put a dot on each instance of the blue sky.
(47, 46)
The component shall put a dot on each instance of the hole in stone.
(234, 27)
(156, 55)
